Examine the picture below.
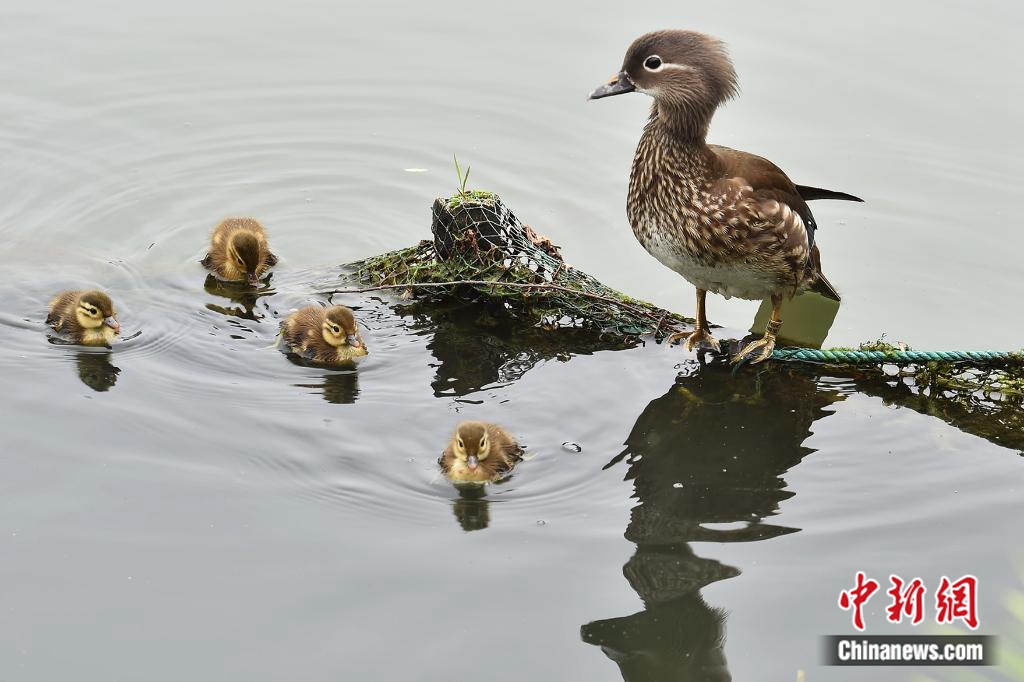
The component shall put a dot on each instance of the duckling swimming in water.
(479, 452)
(239, 251)
(86, 317)
(325, 335)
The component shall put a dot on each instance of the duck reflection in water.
(96, 370)
(480, 346)
(706, 460)
(472, 509)
(244, 296)
(340, 388)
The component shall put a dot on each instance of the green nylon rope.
(898, 357)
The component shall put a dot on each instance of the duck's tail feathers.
(277, 343)
(812, 193)
(824, 287)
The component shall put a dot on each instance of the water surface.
(194, 506)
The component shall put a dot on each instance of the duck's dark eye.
(652, 63)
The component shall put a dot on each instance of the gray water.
(194, 506)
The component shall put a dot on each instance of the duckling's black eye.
(461, 444)
(652, 63)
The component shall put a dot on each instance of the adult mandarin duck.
(729, 222)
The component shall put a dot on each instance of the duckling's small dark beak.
(112, 323)
(471, 462)
(353, 341)
(618, 85)
(254, 279)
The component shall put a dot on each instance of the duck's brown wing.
(772, 196)
(514, 453)
(298, 325)
(445, 460)
(511, 454)
(61, 313)
(767, 183)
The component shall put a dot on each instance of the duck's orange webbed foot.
(760, 350)
(700, 337)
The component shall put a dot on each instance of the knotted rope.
(897, 357)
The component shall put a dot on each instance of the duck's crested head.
(339, 328)
(471, 443)
(685, 71)
(244, 248)
(95, 309)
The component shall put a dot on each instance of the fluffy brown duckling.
(325, 335)
(86, 317)
(479, 452)
(239, 251)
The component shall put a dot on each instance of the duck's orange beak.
(112, 323)
(254, 279)
(472, 462)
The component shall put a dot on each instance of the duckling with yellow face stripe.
(86, 317)
(239, 251)
(479, 452)
(325, 335)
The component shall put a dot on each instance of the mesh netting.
(987, 401)
(482, 251)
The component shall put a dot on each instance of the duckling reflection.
(698, 477)
(96, 370)
(340, 388)
(472, 509)
(240, 293)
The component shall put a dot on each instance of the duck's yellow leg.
(700, 336)
(761, 350)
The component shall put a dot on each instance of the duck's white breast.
(736, 278)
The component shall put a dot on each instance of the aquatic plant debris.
(482, 252)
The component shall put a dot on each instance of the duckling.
(479, 452)
(325, 335)
(87, 317)
(239, 251)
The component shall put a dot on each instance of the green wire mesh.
(481, 251)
